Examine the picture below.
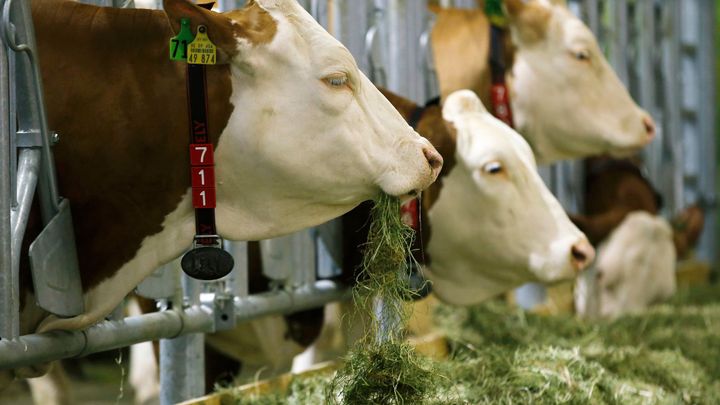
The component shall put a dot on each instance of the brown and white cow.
(567, 101)
(616, 187)
(300, 134)
(635, 268)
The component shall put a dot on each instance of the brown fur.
(613, 189)
(465, 32)
(531, 19)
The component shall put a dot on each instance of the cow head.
(495, 225)
(635, 267)
(310, 137)
(568, 100)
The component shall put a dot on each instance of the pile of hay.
(503, 355)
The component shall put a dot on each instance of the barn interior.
(566, 251)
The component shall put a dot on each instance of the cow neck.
(499, 93)
(123, 164)
(429, 124)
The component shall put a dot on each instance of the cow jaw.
(495, 225)
(593, 114)
(310, 137)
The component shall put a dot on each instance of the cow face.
(568, 101)
(495, 225)
(310, 137)
(635, 268)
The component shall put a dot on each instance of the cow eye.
(582, 55)
(493, 168)
(337, 81)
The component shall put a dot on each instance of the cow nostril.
(434, 159)
(578, 254)
(582, 254)
(649, 126)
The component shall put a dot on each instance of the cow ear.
(461, 102)
(529, 20)
(219, 27)
(435, 8)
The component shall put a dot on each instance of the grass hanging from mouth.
(382, 368)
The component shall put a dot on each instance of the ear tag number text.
(202, 51)
(179, 44)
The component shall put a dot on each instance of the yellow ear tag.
(201, 51)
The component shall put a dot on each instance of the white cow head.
(495, 225)
(310, 137)
(568, 101)
(635, 267)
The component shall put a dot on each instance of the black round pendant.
(207, 263)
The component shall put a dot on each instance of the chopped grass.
(382, 368)
(501, 355)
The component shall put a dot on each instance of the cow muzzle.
(581, 255)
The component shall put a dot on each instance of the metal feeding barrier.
(661, 50)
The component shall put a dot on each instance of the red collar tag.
(410, 214)
(501, 103)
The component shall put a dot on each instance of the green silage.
(382, 368)
(501, 355)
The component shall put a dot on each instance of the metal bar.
(182, 367)
(708, 243)
(673, 89)
(42, 348)
(28, 168)
(8, 289)
(30, 96)
(618, 55)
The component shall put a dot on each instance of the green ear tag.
(179, 44)
(201, 50)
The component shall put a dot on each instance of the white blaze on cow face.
(634, 269)
(568, 101)
(310, 136)
(495, 225)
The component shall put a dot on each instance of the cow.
(635, 268)
(300, 136)
(490, 224)
(567, 101)
(494, 223)
(616, 187)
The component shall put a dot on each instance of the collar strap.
(499, 94)
(206, 260)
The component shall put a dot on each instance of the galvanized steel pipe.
(8, 313)
(41, 348)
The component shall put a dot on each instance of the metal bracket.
(223, 309)
(33, 139)
(54, 265)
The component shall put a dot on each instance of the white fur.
(567, 108)
(634, 269)
(491, 233)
